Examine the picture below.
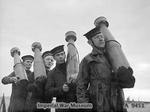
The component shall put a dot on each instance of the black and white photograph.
(74, 56)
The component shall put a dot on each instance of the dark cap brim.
(46, 53)
(57, 49)
(27, 57)
(92, 33)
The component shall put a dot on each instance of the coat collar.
(96, 55)
(96, 51)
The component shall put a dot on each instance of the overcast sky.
(23, 22)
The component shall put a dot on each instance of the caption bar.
(62, 105)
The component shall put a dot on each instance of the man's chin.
(49, 66)
(101, 47)
(60, 62)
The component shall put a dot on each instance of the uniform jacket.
(55, 81)
(37, 90)
(94, 84)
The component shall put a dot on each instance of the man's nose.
(51, 61)
(61, 56)
(29, 63)
(101, 38)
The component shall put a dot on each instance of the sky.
(23, 22)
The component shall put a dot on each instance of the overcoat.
(19, 92)
(97, 84)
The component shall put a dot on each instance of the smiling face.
(60, 57)
(27, 63)
(48, 61)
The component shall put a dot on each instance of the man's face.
(99, 40)
(28, 63)
(48, 61)
(60, 57)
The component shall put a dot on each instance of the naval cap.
(57, 49)
(27, 57)
(92, 33)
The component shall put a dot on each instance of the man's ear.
(54, 57)
(90, 42)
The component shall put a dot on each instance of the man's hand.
(65, 88)
(72, 79)
(14, 79)
(40, 79)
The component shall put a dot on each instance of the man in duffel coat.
(96, 83)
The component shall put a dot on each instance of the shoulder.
(87, 59)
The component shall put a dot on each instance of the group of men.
(95, 83)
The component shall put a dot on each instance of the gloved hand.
(125, 77)
(65, 87)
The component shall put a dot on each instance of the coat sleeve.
(51, 90)
(7, 79)
(82, 82)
